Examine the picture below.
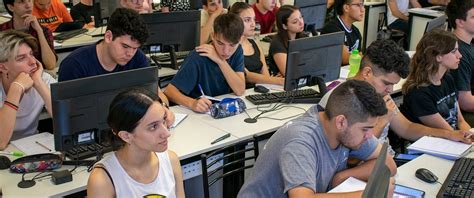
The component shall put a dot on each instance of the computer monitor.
(172, 32)
(313, 59)
(197, 4)
(377, 186)
(438, 22)
(103, 9)
(81, 106)
(314, 14)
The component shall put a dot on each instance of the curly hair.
(457, 9)
(126, 21)
(384, 57)
(357, 100)
(424, 63)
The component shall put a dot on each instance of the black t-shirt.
(253, 62)
(433, 99)
(276, 46)
(464, 75)
(81, 12)
(352, 38)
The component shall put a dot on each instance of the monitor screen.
(312, 58)
(379, 180)
(438, 22)
(314, 14)
(80, 106)
(103, 9)
(178, 29)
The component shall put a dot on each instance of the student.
(174, 5)
(461, 17)
(265, 15)
(348, 12)
(211, 69)
(141, 6)
(308, 155)
(290, 26)
(382, 66)
(24, 87)
(256, 70)
(398, 13)
(51, 13)
(211, 9)
(23, 20)
(118, 51)
(143, 166)
(430, 94)
(83, 12)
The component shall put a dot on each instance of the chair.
(233, 161)
(393, 34)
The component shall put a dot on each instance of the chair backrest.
(228, 161)
(438, 22)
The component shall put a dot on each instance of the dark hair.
(128, 108)
(457, 9)
(230, 26)
(424, 64)
(238, 7)
(339, 6)
(384, 57)
(357, 100)
(126, 21)
(6, 3)
(204, 2)
(284, 12)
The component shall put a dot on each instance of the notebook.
(440, 147)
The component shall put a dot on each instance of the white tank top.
(402, 5)
(125, 186)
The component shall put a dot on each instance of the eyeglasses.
(360, 5)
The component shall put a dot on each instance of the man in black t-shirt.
(348, 12)
(83, 11)
(461, 17)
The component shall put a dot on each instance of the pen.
(221, 138)
(44, 146)
(202, 91)
(14, 153)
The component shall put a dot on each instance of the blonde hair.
(10, 40)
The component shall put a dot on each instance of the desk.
(440, 167)
(417, 19)
(368, 27)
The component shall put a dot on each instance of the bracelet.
(21, 86)
(11, 105)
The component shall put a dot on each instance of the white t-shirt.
(29, 109)
(402, 5)
(126, 186)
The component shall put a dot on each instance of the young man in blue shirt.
(211, 69)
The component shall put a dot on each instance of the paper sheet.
(36, 144)
(178, 118)
(351, 184)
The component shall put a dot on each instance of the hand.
(391, 107)
(37, 75)
(209, 51)
(201, 105)
(25, 80)
(391, 187)
(338, 179)
(31, 20)
(461, 136)
(169, 118)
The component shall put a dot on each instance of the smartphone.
(407, 192)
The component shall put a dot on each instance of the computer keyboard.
(81, 152)
(297, 96)
(460, 181)
(69, 34)
(166, 56)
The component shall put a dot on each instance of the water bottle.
(354, 63)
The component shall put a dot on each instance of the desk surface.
(80, 40)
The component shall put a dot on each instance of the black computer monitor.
(313, 59)
(103, 9)
(173, 31)
(379, 180)
(314, 14)
(81, 106)
(436, 23)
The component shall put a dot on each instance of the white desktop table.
(418, 17)
(368, 27)
(439, 166)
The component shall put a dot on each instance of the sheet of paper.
(35, 144)
(351, 184)
(444, 148)
(273, 87)
(178, 118)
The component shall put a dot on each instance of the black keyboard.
(298, 96)
(166, 56)
(460, 181)
(69, 34)
(86, 151)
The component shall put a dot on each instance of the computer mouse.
(267, 39)
(261, 89)
(426, 175)
(4, 162)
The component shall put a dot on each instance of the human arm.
(415, 4)
(64, 13)
(235, 79)
(280, 61)
(200, 105)
(99, 184)
(178, 175)
(45, 46)
(439, 2)
(330, 3)
(466, 100)
(42, 88)
(392, 5)
(306, 192)
(264, 75)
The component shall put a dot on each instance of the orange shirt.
(55, 15)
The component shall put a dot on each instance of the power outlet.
(194, 169)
